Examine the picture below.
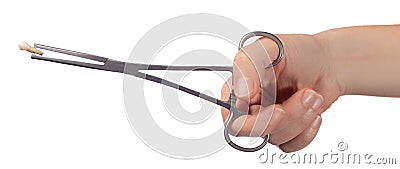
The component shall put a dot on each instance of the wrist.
(336, 69)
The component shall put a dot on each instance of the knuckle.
(305, 122)
(276, 117)
(309, 117)
(291, 115)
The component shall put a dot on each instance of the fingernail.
(243, 87)
(312, 100)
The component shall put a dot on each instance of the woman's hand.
(285, 101)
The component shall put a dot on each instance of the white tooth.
(25, 46)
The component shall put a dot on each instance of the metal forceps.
(135, 68)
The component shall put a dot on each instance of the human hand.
(285, 101)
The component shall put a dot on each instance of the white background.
(58, 116)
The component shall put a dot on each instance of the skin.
(316, 70)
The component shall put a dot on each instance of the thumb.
(246, 77)
(249, 66)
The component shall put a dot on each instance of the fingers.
(292, 125)
(303, 107)
(260, 120)
(300, 131)
(304, 138)
(259, 123)
(289, 124)
(284, 122)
